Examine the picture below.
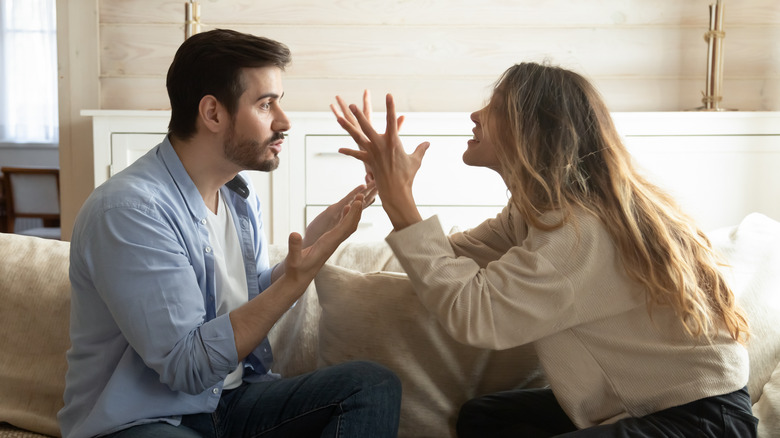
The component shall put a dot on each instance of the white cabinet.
(462, 196)
(127, 147)
(719, 166)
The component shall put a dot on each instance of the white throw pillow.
(377, 316)
(752, 252)
(767, 408)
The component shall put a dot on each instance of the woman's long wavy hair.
(559, 150)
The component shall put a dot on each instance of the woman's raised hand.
(392, 168)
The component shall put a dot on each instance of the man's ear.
(212, 114)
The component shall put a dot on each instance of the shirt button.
(215, 390)
(208, 249)
(203, 221)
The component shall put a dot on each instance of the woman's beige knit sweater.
(504, 284)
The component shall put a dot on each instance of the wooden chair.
(3, 218)
(33, 192)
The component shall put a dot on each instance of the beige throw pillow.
(377, 316)
(34, 315)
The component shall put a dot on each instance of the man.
(168, 262)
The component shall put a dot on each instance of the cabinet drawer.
(374, 224)
(443, 178)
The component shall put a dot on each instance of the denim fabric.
(355, 399)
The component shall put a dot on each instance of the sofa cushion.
(8, 431)
(35, 296)
(295, 337)
(752, 254)
(767, 408)
(377, 316)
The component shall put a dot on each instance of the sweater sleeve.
(487, 241)
(516, 285)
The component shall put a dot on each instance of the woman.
(635, 327)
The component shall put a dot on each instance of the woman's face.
(481, 149)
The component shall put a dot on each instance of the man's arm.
(329, 218)
(252, 321)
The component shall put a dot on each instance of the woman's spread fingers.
(335, 111)
(419, 152)
(352, 130)
(392, 123)
(367, 104)
(342, 105)
(365, 125)
(360, 155)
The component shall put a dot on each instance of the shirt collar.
(187, 187)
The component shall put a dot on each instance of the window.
(28, 72)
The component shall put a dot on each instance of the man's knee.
(371, 376)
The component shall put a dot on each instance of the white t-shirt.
(232, 289)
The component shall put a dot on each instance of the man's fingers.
(369, 196)
(352, 215)
(294, 248)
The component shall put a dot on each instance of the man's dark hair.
(211, 63)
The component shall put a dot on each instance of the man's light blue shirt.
(147, 344)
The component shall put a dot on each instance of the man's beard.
(247, 153)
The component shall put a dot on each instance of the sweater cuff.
(421, 239)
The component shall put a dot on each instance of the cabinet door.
(716, 179)
(128, 147)
(443, 178)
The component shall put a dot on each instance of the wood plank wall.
(443, 55)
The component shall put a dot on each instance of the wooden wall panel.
(485, 13)
(419, 52)
(443, 55)
(460, 94)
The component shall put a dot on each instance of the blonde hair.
(559, 150)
